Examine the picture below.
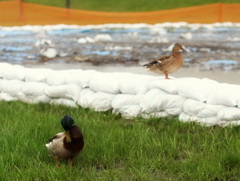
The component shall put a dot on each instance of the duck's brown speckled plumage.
(168, 63)
(59, 146)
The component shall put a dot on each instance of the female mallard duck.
(67, 144)
(168, 63)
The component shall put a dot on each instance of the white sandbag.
(184, 117)
(231, 123)
(225, 94)
(4, 66)
(15, 72)
(33, 92)
(81, 78)
(68, 91)
(73, 77)
(11, 87)
(229, 113)
(127, 105)
(106, 82)
(37, 75)
(160, 114)
(34, 88)
(62, 101)
(34, 99)
(211, 121)
(198, 89)
(135, 84)
(201, 110)
(7, 97)
(238, 103)
(99, 101)
(83, 100)
(128, 112)
(169, 86)
(58, 77)
(157, 100)
(174, 85)
(121, 100)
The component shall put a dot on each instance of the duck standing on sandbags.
(67, 144)
(168, 63)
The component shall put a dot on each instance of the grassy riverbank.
(115, 148)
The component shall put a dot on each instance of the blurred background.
(110, 36)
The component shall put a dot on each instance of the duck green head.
(67, 123)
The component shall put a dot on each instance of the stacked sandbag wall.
(131, 95)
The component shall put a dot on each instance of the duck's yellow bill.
(68, 138)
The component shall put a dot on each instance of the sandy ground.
(231, 77)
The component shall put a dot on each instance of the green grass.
(128, 5)
(115, 148)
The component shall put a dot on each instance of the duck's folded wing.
(57, 136)
(159, 61)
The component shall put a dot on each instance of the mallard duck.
(168, 63)
(66, 144)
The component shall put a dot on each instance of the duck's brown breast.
(175, 64)
(77, 143)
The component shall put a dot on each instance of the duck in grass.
(66, 144)
(168, 63)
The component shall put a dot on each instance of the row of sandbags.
(203, 100)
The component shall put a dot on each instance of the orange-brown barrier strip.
(15, 13)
